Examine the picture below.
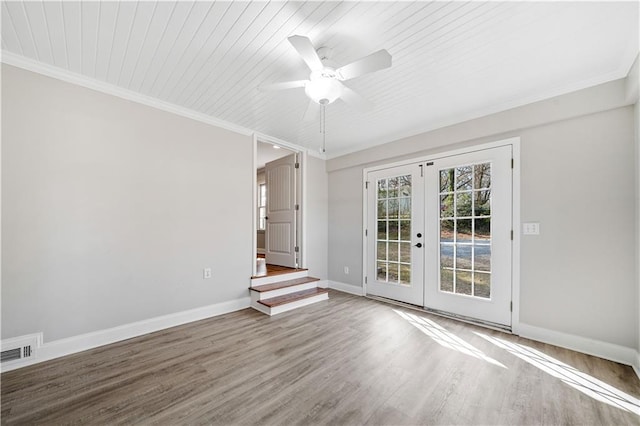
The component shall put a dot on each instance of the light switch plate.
(531, 228)
(206, 273)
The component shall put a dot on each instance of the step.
(270, 279)
(284, 284)
(269, 291)
(290, 301)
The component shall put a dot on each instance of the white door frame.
(302, 224)
(515, 253)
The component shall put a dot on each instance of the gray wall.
(317, 195)
(110, 210)
(578, 156)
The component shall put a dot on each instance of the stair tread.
(292, 297)
(284, 284)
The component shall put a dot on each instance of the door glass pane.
(482, 227)
(393, 237)
(463, 204)
(463, 256)
(446, 205)
(446, 255)
(446, 279)
(393, 251)
(465, 230)
(405, 253)
(381, 252)
(464, 178)
(482, 176)
(394, 276)
(382, 189)
(482, 258)
(382, 209)
(393, 208)
(482, 285)
(405, 274)
(393, 188)
(404, 186)
(446, 180)
(463, 282)
(404, 211)
(482, 203)
(446, 230)
(382, 271)
(405, 230)
(393, 230)
(382, 230)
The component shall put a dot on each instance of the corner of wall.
(346, 288)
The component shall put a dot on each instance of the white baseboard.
(636, 365)
(83, 342)
(323, 284)
(346, 288)
(610, 351)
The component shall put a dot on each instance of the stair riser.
(277, 278)
(298, 304)
(282, 291)
(260, 307)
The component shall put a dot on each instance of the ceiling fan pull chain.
(323, 121)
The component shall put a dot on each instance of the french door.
(395, 234)
(460, 236)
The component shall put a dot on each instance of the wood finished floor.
(348, 360)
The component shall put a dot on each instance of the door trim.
(515, 199)
(302, 221)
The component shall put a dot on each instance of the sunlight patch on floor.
(585, 383)
(445, 338)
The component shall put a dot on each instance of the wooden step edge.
(271, 274)
(292, 297)
(283, 284)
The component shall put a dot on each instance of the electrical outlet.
(346, 270)
(531, 228)
(206, 273)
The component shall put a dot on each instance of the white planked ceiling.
(452, 61)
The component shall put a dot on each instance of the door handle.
(418, 245)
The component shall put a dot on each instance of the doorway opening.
(278, 209)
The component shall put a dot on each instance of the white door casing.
(280, 233)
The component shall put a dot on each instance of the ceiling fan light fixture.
(323, 90)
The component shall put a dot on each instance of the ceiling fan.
(324, 85)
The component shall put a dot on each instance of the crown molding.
(111, 89)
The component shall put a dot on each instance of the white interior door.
(280, 231)
(468, 235)
(395, 239)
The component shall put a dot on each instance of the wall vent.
(19, 348)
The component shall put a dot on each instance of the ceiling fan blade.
(283, 85)
(355, 100)
(374, 62)
(312, 112)
(306, 50)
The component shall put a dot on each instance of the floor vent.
(19, 348)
